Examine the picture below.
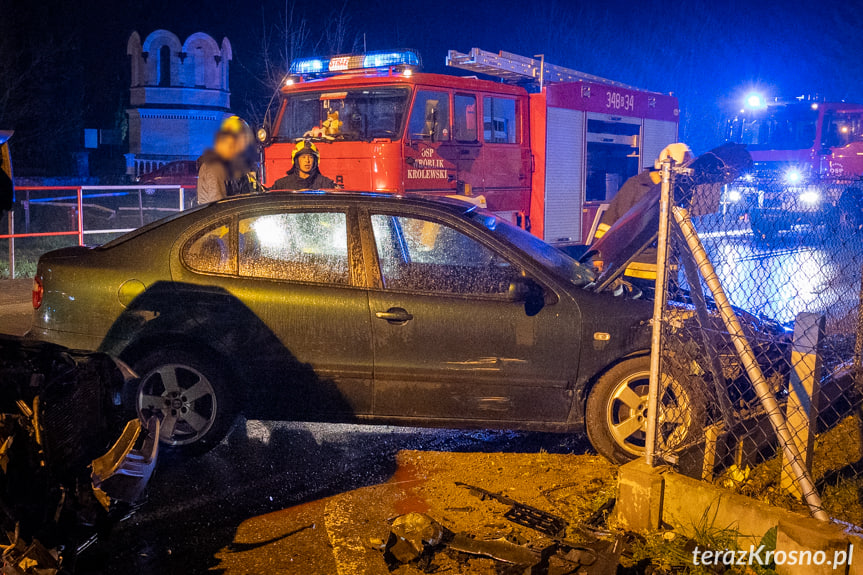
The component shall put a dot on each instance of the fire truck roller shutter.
(564, 162)
(657, 135)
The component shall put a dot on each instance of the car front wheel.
(189, 395)
(616, 412)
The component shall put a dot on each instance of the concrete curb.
(650, 497)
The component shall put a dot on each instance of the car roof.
(449, 203)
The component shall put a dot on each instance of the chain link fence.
(759, 384)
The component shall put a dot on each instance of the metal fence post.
(658, 310)
(80, 216)
(12, 244)
(858, 341)
(804, 390)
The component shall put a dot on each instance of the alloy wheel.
(182, 398)
(626, 416)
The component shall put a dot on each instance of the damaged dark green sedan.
(357, 307)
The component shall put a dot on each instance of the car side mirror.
(525, 290)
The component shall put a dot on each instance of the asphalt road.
(294, 480)
(15, 306)
(804, 269)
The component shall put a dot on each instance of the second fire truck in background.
(808, 163)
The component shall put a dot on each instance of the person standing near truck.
(222, 169)
(304, 173)
(7, 187)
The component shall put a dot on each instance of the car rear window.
(151, 226)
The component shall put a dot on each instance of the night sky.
(64, 65)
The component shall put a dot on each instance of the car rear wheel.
(190, 396)
(616, 413)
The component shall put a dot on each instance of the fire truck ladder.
(517, 69)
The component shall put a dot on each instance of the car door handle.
(394, 315)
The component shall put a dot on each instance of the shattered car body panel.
(58, 418)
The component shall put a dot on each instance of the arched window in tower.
(165, 66)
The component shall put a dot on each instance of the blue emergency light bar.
(354, 62)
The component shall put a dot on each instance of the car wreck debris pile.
(418, 539)
(64, 474)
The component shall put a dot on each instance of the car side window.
(423, 255)
(211, 250)
(296, 246)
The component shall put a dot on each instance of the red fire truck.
(808, 161)
(548, 160)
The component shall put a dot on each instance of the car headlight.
(793, 176)
(810, 197)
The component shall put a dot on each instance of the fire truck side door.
(428, 154)
(466, 148)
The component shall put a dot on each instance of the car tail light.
(38, 291)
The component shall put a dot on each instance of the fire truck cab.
(808, 156)
(547, 161)
(815, 138)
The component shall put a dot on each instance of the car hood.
(637, 229)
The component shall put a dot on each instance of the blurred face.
(306, 164)
(228, 147)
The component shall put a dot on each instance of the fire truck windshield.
(784, 127)
(355, 114)
(842, 128)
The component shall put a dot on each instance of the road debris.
(522, 514)
(411, 535)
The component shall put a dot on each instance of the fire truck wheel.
(616, 413)
(190, 395)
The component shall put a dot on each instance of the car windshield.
(547, 255)
(360, 114)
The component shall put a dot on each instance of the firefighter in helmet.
(227, 169)
(644, 266)
(304, 173)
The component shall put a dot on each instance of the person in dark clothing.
(7, 189)
(224, 170)
(304, 173)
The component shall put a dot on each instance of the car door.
(449, 342)
(307, 335)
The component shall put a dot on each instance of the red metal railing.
(75, 201)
